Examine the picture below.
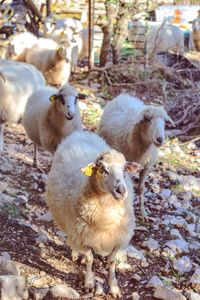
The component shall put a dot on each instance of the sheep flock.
(90, 189)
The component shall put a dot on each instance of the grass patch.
(178, 156)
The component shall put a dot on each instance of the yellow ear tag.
(87, 171)
(52, 98)
(62, 34)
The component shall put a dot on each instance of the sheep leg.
(2, 125)
(89, 276)
(142, 179)
(35, 156)
(114, 288)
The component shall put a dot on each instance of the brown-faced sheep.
(52, 59)
(96, 210)
(51, 115)
(135, 129)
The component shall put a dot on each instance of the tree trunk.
(107, 28)
(120, 28)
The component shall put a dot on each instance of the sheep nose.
(159, 140)
(121, 189)
(69, 116)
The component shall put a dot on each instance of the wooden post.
(48, 7)
(91, 8)
(89, 32)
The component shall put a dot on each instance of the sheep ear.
(81, 96)
(52, 98)
(88, 170)
(61, 52)
(132, 167)
(169, 120)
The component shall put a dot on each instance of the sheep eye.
(62, 99)
(147, 119)
(102, 170)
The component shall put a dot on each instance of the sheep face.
(153, 125)
(109, 171)
(48, 26)
(66, 104)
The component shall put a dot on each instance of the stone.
(191, 229)
(47, 217)
(182, 265)
(192, 295)
(136, 277)
(179, 246)
(154, 282)
(63, 290)
(12, 287)
(151, 244)
(173, 201)
(195, 245)
(5, 165)
(8, 267)
(4, 199)
(3, 186)
(6, 255)
(82, 105)
(162, 292)
(135, 296)
(37, 281)
(187, 195)
(178, 221)
(22, 199)
(165, 193)
(42, 237)
(176, 234)
(195, 280)
(134, 253)
(39, 294)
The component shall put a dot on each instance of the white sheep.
(18, 45)
(17, 82)
(135, 129)
(50, 24)
(52, 59)
(196, 32)
(51, 115)
(159, 37)
(96, 210)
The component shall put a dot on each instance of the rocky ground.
(163, 259)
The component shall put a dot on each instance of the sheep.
(159, 37)
(51, 24)
(55, 115)
(135, 129)
(52, 59)
(17, 82)
(59, 34)
(196, 32)
(95, 211)
(18, 45)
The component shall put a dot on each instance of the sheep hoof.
(115, 291)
